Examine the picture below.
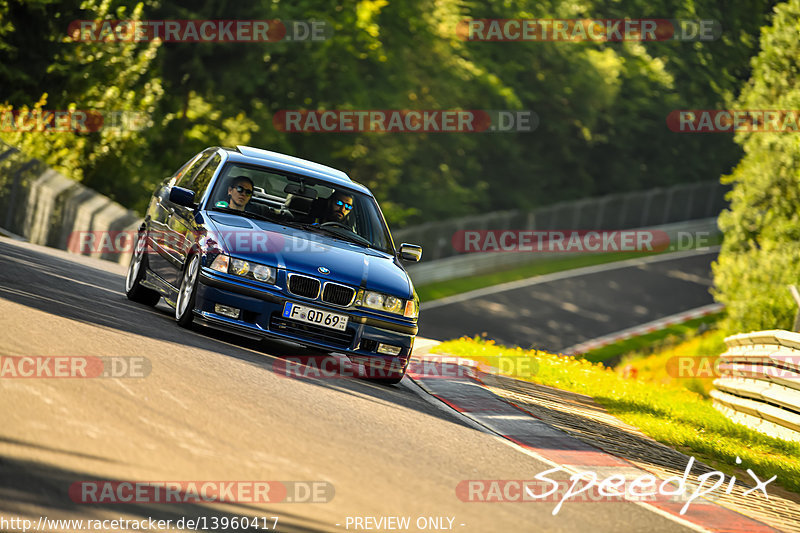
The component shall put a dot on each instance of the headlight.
(264, 273)
(392, 304)
(239, 267)
(221, 263)
(245, 269)
(374, 300)
(384, 302)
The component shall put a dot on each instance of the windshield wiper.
(246, 214)
(349, 237)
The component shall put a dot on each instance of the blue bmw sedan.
(267, 245)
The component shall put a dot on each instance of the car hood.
(306, 252)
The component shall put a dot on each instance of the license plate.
(318, 317)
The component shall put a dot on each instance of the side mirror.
(181, 196)
(410, 252)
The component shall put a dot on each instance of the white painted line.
(642, 329)
(420, 391)
(566, 274)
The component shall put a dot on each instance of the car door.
(164, 261)
(182, 225)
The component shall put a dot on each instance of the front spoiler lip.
(218, 283)
(255, 332)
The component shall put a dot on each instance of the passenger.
(239, 193)
(337, 209)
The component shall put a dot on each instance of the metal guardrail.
(472, 264)
(41, 206)
(759, 383)
(637, 209)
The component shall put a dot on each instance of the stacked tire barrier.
(759, 382)
(41, 206)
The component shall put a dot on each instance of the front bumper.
(261, 312)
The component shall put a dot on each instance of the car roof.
(294, 165)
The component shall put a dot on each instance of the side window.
(184, 176)
(200, 182)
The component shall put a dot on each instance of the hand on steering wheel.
(334, 223)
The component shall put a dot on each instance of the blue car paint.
(292, 250)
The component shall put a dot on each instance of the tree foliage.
(761, 252)
(602, 106)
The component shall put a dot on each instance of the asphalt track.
(213, 407)
(558, 311)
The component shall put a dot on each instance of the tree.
(761, 251)
(112, 80)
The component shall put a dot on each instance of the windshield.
(340, 213)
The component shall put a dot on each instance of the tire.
(184, 305)
(136, 269)
(391, 374)
(388, 381)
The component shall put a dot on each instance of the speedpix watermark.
(65, 366)
(616, 486)
(405, 121)
(199, 31)
(734, 120)
(582, 30)
(138, 492)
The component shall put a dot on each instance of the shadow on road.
(40, 279)
(42, 488)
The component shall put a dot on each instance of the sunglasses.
(346, 206)
(248, 192)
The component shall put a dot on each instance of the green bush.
(761, 254)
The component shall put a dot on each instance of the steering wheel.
(336, 224)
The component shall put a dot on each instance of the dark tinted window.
(200, 181)
(270, 199)
(185, 175)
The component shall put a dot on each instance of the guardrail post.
(796, 297)
(12, 201)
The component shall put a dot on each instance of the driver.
(239, 193)
(337, 209)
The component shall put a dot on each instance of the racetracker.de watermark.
(79, 366)
(236, 241)
(734, 120)
(582, 30)
(711, 367)
(139, 492)
(584, 241)
(331, 367)
(199, 31)
(405, 121)
(73, 121)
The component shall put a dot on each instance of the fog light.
(388, 349)
(224, 310)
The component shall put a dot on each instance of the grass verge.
(434, 291)
(442, 289)
(669, 413)
(648, 343)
